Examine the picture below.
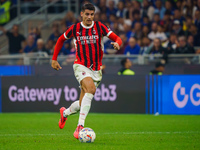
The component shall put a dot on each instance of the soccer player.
(88, 40)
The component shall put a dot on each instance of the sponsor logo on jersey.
(88, 39)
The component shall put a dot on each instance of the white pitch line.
(111, 133)
(175, 132)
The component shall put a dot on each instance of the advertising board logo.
(27, 94)
(180, 103)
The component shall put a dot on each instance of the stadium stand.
(144, 20)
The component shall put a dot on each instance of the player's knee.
(88, 86)
(91, 90)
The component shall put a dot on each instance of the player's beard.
(89, 22)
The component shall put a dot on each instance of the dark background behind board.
(42, 70)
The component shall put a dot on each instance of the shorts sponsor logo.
(180, 97)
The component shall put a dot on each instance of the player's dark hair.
(123, 61)
(88, 6)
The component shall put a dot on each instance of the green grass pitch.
(39, 131)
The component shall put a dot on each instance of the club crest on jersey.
(79, 33)
(83, 73)
(94, 31)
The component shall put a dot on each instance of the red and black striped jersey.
(88, 43)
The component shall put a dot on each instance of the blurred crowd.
(152, 26)
(145, 27)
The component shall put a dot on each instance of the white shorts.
(81, 72)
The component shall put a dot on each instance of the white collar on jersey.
(87, 27)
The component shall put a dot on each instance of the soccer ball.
(86, 135)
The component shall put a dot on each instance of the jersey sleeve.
(69, 33)
(106, 31)
(115, 38)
